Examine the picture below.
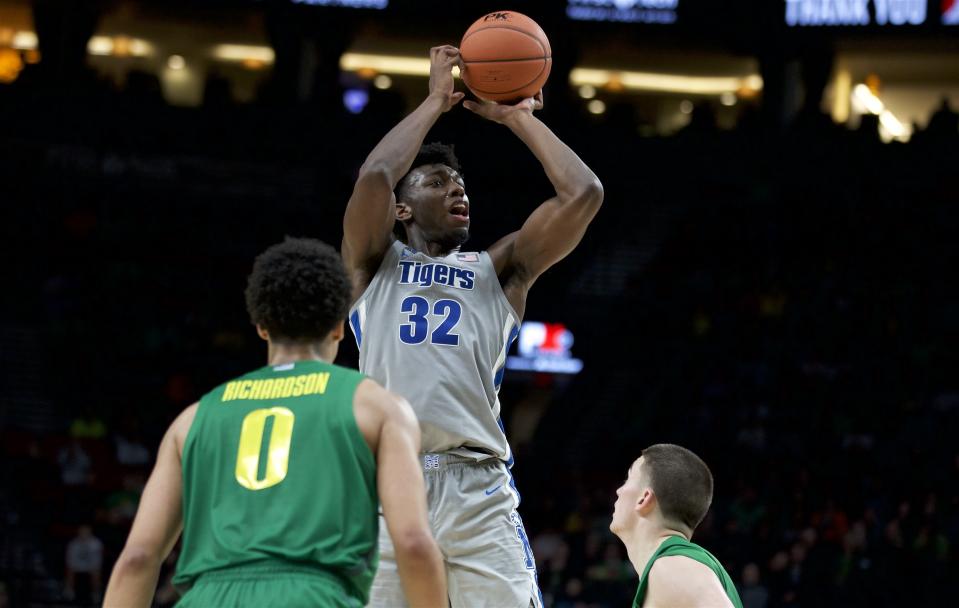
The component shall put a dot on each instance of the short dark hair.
(435, 153)
(682, 482)
(298, 290)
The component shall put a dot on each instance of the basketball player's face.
(624, 511)
(441, 209)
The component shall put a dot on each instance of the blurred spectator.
(84, 564)
(121, 505)
(610, 579)
(752, 592)
(75, 464)
(944, 122)
(130, 450)
(143, 89)
(571, 596)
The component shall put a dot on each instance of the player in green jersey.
(665, 496)
(274, 478)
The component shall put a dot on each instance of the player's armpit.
(157, 525)
(501, 253)
(680, 581)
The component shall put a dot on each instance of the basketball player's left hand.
(504, 113)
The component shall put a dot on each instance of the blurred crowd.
(774, 297)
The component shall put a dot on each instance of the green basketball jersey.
(677, 545)
(276, 471)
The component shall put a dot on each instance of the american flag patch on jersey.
(467, 257)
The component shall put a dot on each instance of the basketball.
(506, 57)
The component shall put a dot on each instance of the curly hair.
(298, 290)
(434, 153)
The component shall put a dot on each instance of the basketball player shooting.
(434, 324)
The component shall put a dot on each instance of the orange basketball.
(506, 56)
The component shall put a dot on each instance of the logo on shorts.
(490, 492)
(431, 461)
(517, 521)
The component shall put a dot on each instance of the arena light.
(100, 46)
(389, 64)
(120, 46)
(596, 107)
(243, 52)
(355, 100)
(24, 41)
(868, 99)
(753, 82)
(891, 126)
(11, 64)
(667, 83)
(176, 62)
(140, 48)
(580, 77)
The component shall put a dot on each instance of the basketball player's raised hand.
(503, 114)
(442, 60)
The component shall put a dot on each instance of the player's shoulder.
(348, 372)
(370, 394)
(180, 427)
(677, 580)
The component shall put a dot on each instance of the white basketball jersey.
(436, 331)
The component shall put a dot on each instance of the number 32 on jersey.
(419, 326)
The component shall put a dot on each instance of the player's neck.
(280, 354)
(645, 542)
(434, 249)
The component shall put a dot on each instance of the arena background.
(771, 281)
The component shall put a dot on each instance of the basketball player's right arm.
(680, 581)
(368, 223)
(157, 524)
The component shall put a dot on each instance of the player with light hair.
(666, 494)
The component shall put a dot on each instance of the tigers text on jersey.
(436, 331)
